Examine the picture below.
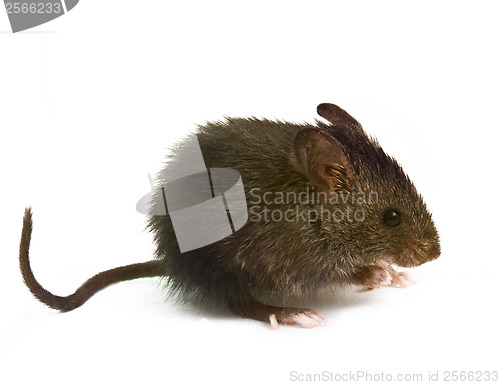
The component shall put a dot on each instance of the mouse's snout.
(417, 254)
(430, 245)
(434, 253)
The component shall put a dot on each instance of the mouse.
(327, 209)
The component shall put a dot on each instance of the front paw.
(402, 280)
(381, 274)
(398, 279)
(372, 277)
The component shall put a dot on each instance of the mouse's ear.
(337, 116)
(322, 158)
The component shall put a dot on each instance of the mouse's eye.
(392, 218)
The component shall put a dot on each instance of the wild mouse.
(327, 208)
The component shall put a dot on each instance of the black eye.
(392, 219)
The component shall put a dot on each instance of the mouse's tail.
(89, 288)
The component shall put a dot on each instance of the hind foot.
(306, 318)
(248, 307)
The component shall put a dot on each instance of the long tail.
(89, 288)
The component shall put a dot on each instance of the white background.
(89, 103)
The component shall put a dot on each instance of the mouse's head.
(383, 217)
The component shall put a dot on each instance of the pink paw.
(306, 318)
(376, 277)
(383, 274)
(398, 279)
(402, 280)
